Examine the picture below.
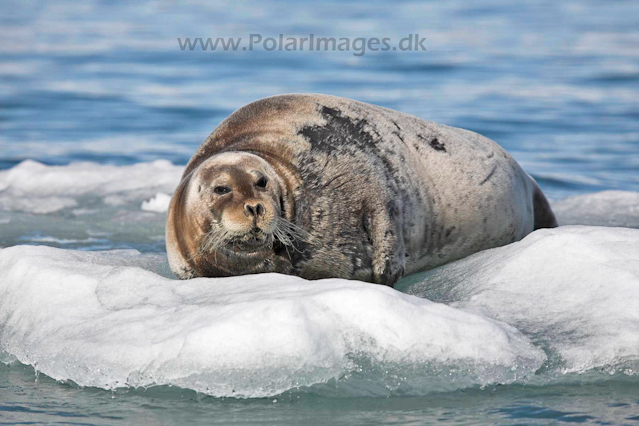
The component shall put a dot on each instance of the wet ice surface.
(88, 318)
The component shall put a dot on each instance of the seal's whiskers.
(288, 233)
(215, 238)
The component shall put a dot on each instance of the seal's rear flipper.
(544, 217)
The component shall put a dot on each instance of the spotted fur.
(379, 194)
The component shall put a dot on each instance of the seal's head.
(238, 196)
(226, 217)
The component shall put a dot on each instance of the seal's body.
(356, 191)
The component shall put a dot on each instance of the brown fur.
(227, 211)
(377, 193)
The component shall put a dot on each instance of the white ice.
(574, 290)
(93, 318)
(37, 188)
(76, 202)
(159, 203)
(606, 208)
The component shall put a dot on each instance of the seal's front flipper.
(388, 246)
(391, 273)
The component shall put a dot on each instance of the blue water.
(555, 83)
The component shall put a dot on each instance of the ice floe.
(37, 188)
(606, 208)
(159, 203)
(125, 204)
(574, 290)
(97, 320)
(560, 301)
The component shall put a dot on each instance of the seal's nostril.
(255, 210)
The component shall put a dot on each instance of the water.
(612, 401)
(556, 84)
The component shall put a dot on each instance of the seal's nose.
(254, 210)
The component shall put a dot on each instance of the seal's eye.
(261, 182)
(221, 190)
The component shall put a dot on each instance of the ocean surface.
(100, 109)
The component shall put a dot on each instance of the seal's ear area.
(178, 240)
(179, 196)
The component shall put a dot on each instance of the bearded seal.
(320, 186)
